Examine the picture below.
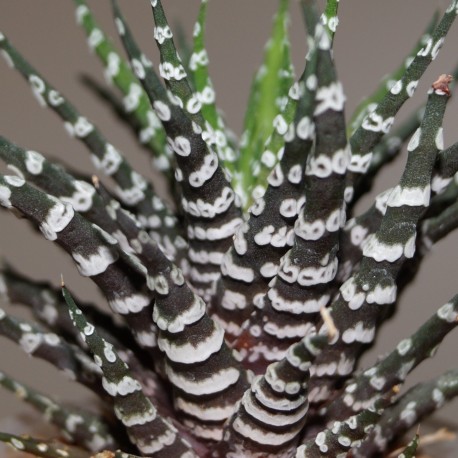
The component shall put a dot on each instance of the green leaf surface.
(267, 97)
(329, 18)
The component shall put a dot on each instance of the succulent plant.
(248, 296)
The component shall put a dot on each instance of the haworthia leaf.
(79, 426)
(369, 103)
(198, 66)
(42, 448)
(439, 220)
(379, 121)
(389, 147)
(171, 69)
(51, 348)
(54, 449)
(54, 180)
(49, 307)
(184, 48)
(338, 439)
(387, 150)
(152, 434)
(411, 448)
(260, 243)
(273, 148)
(132, 188)
(364, 389)
(330, 19)
(265, 423)
(262, 278)
(385, 252)
(417, 403)
(94, 252)
(182, 318)
(266, 101)
(301, 284)
(210, 206)
(135, 101)
(176, 79)
(436, 228)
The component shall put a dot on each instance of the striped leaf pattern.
(240, 308)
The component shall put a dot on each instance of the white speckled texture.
(231, 73)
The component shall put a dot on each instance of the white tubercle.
(5, 196)
(58, 218)
(295, 306)
(358, 333)
(232, 300)
(125, 386)
(412, 197)
(258, 435)
(95, 263)
(138, 418)
(129, 304)
(34, 162)
(349, 293)
(215, 383)
(275, 403)
(202, 412)
(110, 161)
(15, 181)
(382, 295)
(81, 199)
(189, 316)
(373, 248)
(264, 416)
(189, 353)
